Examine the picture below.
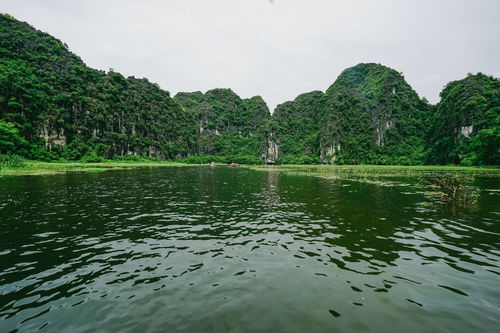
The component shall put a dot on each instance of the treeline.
(52, 107)
(63, 109)
(370, 115)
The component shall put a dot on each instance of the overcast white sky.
(273, 48)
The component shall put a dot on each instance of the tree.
(9, 137)
(486, 147)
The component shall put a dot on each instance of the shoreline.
(35, 168)
(377, 171)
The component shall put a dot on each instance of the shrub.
(453, 187)
(92, 158)
(203, 159)
(134, 158)
(9, 137)
(245, 159)
(207, 159)
(299, 159)
(12, 161)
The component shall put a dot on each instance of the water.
(234, 250)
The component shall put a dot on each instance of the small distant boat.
(212, 164)
(234, 165)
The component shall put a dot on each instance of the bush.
(92, 158)
(245, 159)
(453, 187)
(37, 151)
(12, 161)
(9, 137)
(203, 159)
(207, 159)
(295, 159)
(484, 148)
(76, 150)
(134, 158)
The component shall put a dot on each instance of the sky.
(277, 49)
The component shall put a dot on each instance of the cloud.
(277, 49)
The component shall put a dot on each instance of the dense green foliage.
(10, 140)
(296, 128)
(466, 124)
(372, 116)
(54, 107)
(207, 159)
(226, 124)
(12, 161)
(66, 109)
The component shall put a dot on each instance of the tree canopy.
(53, 106)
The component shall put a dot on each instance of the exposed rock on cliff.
(227, 124)
(52, 105)
(371, 115)
(272, 153)
(466, 124)
(296, 125)
(60, 104)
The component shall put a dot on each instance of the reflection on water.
(214, 250)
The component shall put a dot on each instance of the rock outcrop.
(466, 123)
(227, 124)
(369, 115)
(55, 106)
(67, 109)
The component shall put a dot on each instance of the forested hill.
(62, 108)
(369, 115)
(226, 124)
(466, 123)
(295, 129)
(52, 106)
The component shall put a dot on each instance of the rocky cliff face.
(371, 115)
(272, 153)
(466, 123)
(64, 108)
(296, 126)
(227, 124)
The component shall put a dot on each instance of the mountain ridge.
(370, 115)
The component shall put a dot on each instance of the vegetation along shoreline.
(55, 108)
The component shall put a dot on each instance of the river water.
(194, 249)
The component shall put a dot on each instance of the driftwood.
(453, 187)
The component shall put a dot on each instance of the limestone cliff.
(57, 107)
(227, 124)
(371, 115)
(64, 108)
(466, 124)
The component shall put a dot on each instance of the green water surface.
(236, 250)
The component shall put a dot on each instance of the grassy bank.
(12, 165)
(50, 168)
(367, 171)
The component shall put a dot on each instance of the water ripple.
(196, 249)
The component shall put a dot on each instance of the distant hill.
(225, 123)
(373, 116)
(64, 108)
(53, 106)
(466, 123)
